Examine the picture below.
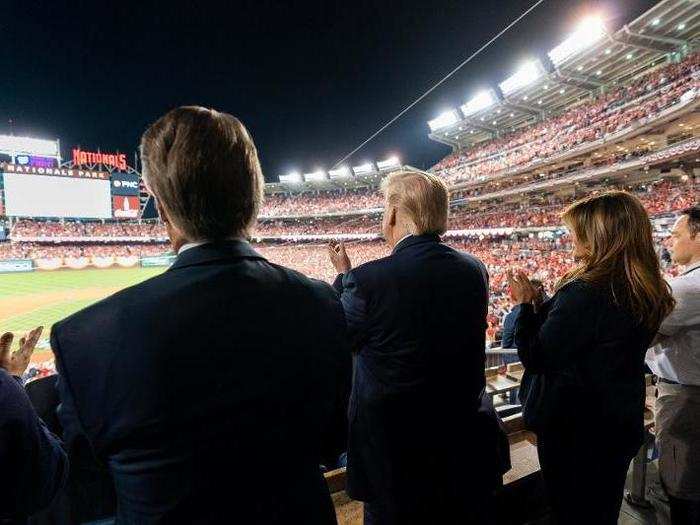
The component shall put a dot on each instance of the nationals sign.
(116, 160)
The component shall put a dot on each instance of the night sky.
(311, 80)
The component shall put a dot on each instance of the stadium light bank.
(343, 172)
(588, 32)
(14, 146)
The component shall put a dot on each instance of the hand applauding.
(339, 258)
(15, 363)
(521, 290)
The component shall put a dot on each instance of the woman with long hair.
(586, 348)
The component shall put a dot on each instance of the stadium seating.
(587, 122)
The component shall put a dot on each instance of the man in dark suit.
(33, 465)
(89, 491)
(420, 450)
(208, 390)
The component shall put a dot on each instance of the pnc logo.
(132, 184)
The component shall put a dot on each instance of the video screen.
(47, 196)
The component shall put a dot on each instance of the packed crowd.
(33, 250)
(661, 197)
(57, 229)
(587, 122)
(321, 202)
(310, 226)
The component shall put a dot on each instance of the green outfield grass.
(42, 298)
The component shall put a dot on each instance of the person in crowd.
(33, 464)
(675, 360)
(587, 346)
(416, 321)
(135, 379)
(89, 491)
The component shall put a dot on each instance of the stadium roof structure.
(590, 61)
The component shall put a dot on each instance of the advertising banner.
(125, 183)
(125, 207)
(16, 265)
(51, 263)
(159, 260)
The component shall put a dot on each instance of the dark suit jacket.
(33, 465)
(89, 491)
(591, 354)
(208, 390)
(417, 320)
(508, 340)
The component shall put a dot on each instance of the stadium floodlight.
(480, 101)
(524, 76)
(389, 164)
(293, 177)
(364, 169)
(588, 32)
(11, 145)
(444, 120)
(315, 175)
(340, 173)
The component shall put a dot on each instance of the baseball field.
(38, 298)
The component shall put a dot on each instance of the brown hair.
(423, 197)
(616, 231)
(693, 214)
(203, 168)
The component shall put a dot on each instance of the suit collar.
(215, 251)
(415, 239)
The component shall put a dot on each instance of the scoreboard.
(31, 191)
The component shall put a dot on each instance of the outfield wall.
(79, 263)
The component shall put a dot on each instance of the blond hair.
(422, 197)
(615, 230)
(202, 166)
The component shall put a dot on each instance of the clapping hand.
(15, 363)
(521, 290)
(338, 256)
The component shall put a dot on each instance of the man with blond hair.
(208, 390)
(417, 320)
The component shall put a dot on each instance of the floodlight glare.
(480, 101)
(11, 145)
(315, 175)
(340, 173)
(294, 176)
(524, 76)
(444, 120)
(389, 164)
(588, 32)
(363, 169)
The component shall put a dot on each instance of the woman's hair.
(616, 233)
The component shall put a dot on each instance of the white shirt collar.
(692, 267)
(194, 244)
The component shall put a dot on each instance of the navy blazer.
(33, 465)
(89, 491)
(591, 355)
(417, 320)
(209, 390)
